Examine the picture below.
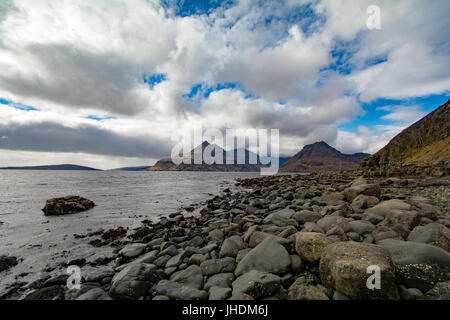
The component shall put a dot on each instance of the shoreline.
(284, 233)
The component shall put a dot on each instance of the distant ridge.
(167, 164)
(52, 167)
(140, 168)
(320, 157)
(425, 142)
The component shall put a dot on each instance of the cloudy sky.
(106, 83)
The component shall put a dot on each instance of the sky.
(106, 83)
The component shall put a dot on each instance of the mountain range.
(242, 165)
(320, 157)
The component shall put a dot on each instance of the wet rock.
(67, 205)
(336, 234)
(329, 199)
(60, 279)
(219, 293)
(268, 256)
(241, 296)
(247, 235)
(343, 267)
(98, 273)
(385, 207)
(95, 294)
(161, 298)
(281, 218)
(257, 284)
(176, 260)
(306, 216)
(175, 290)
(259, 236)
(312, 227)
(56, 292)
(418, 265)
(381, 235)
(222, 280)
(134, 281)
(231, 246)
(365, 189)
(7, 262)
(192, 276)
(241, 254)
(213, 266)
(309, 245)
(215, 235)
(296, 264)
(197, 258)
(364, 202)
(132, 250)
(328, 222)
(435, 234)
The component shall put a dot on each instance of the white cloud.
(403, 113)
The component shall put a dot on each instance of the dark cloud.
(79, 78)
(53, 137)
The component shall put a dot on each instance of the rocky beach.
(295, 237)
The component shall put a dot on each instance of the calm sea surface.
(122, 198)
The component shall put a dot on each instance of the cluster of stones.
(285, 237)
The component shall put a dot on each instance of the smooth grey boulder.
(213, 266)
(134, 281)
(280, 218)
(363, 202)
(176, 290)
(366, 189)
(418, 265)
(435, 234)
(328, 222)
(219, 293)
(192, 276)
(306, 216)
(268, 256)
(99, 273)
(222, 280)
(215, 235)
(231, 246)
(133, 250)
(94, 294)
(362, 226)
(259, 236)
(257, 284)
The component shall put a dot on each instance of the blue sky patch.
(153, 79)
(99, 118)
(376, 109)
(17, 105)
(184, 8)
(201, 90)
